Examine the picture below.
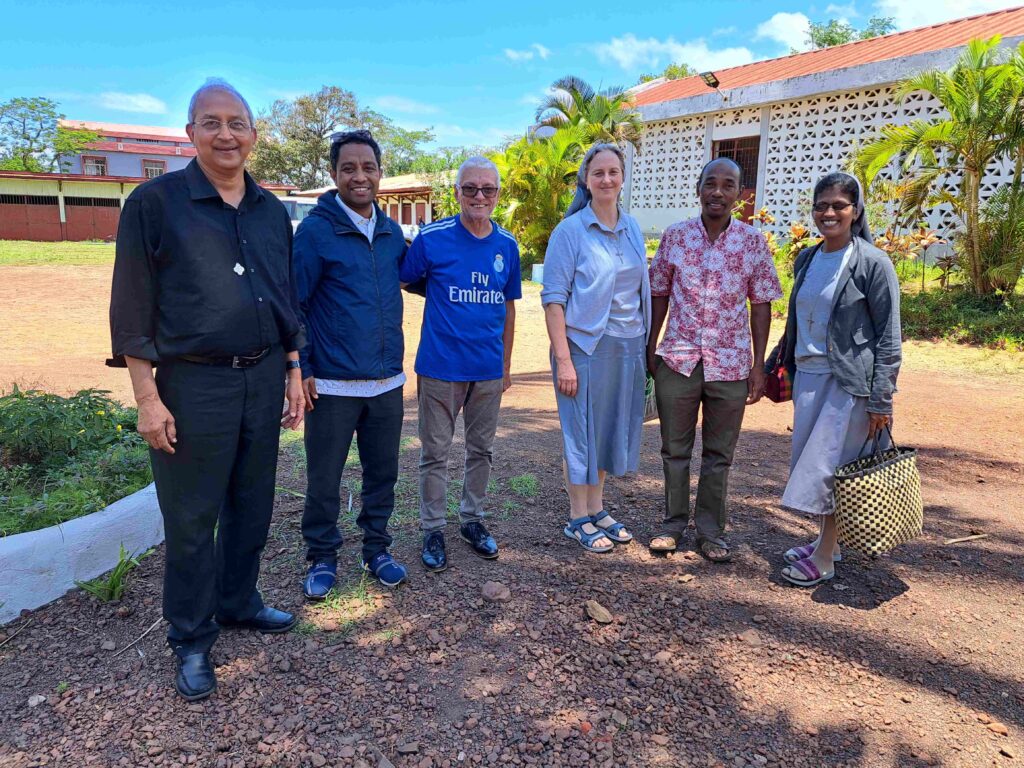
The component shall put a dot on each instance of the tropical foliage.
(604, 116)
(538, 180)
(539, 172)
(943, 160)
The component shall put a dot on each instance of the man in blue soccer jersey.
(470, 267)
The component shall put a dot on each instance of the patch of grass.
(525, 485)
(111, 587)
(305, 628)
(387, 635)
(27, 253)
(508, 508)
(959, 316)
(62, 687)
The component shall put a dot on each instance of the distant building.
(791, 120)
(137, 151)
(64, 206)
(405, 198)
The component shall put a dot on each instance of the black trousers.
(377, 424)
(216, 492)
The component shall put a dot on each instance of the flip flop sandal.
(674, 539)
(800, 553)
(809, 571)
(574, 530)
(613, 531)
(719, 544)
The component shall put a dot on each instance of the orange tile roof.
(1008, 23)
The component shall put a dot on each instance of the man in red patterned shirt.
(704, 273)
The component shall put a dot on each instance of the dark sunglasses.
(470, 191)
(837, 207)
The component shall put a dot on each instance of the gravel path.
(910, 660)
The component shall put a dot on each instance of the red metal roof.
(68, 177)
(141, 149)
(126, 179)
(119, 130)
(1008, 23)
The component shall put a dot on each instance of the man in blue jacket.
(346, 258)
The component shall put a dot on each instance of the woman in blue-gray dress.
(597, 299)
(843, 341)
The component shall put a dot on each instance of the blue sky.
(473, 71)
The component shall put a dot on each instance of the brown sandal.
(662, 547)
(715, 550)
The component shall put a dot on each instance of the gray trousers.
(439, 406)
(723, 404)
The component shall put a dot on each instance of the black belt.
(237, 361)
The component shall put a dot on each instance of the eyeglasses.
(837, 207)
(237, 127)
(471, 191)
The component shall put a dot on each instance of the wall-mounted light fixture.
(711, 81)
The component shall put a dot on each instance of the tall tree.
(671, 72)
(32, 139)
(943, 160)
(607, 115)
(294, 137)
(836, 32)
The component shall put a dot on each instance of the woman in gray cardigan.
(597, 307)
(843, 343)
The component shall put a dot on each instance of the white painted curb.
(39, 566)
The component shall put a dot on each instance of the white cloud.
(132, 102)
(526, 54)
(907, 14)
(632, 53)
(789, 29)
(404, 105)
(841, 12)
(722, 31)
(451, 135)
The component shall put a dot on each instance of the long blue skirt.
(603, 424)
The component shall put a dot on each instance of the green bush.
(961, 316)
(64, 457)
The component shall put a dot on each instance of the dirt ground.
(912, 659)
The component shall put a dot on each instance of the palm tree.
(605, 116)
(538, 182)
(978, 129)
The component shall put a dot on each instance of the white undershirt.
(359, 387)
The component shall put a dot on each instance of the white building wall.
(808, 127)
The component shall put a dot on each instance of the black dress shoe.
(195, 679)
(434, 556)
(269, 621)
(479, 539)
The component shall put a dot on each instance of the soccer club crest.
(499, 263)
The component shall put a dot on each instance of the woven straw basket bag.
(878, 499)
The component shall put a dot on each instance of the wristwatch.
(291, 365)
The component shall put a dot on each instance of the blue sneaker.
(320, 579)
(388, 572)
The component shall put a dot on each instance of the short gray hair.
(218, 84)
(477, 161)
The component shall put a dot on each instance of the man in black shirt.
(202, 290)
